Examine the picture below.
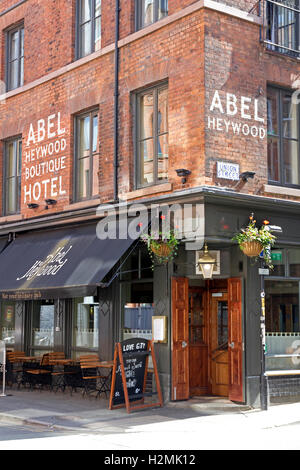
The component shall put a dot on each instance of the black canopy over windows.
(62, 263)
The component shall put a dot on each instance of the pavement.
(65, 412)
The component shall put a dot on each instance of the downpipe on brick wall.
(116, 104)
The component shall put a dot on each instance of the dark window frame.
(155, 137)
(281, 138)
(8, 63)
(139, 14)
(79, 24)
(17, 141)
(91, 113)
(281, 21)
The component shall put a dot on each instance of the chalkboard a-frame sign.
(130, 374)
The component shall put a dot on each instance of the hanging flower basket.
(252, 248)
(162, 250)
(252, 241)
(162, 247)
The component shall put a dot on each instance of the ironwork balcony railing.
(280, 30)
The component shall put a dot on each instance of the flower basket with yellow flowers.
(253, 240)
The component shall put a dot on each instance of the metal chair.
(40, 375)
(13, 367)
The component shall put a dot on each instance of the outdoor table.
(60, 371)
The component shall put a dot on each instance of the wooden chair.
(53, 356)
(93, 381)
(12, 356)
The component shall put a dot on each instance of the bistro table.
(63, 369)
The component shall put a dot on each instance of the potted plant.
(162, 246)
(253, 240)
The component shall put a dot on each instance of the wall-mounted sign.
(44, 160)
(276, 255)
(263, 272)
(236, 115)
(228, 171)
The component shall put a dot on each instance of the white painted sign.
(240, 115)
(44, 161)
(50, 266)
(228, 171)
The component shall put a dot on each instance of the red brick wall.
(50, 29)
(69, 94)
(49, 35)
(204, 48)
(176, 54)
(236, 63)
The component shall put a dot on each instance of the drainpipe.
(116, 103)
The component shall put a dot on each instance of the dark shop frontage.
(64, 289)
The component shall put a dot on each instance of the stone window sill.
(148, 191)
(11, 218)
(83, 204)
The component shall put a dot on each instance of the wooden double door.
(207, 353)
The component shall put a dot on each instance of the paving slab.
(75, 413)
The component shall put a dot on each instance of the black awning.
(61, 263)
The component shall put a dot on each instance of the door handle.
(184, 344)
(231, 345)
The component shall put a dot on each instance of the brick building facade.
(217, 65)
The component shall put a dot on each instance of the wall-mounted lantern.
(206, 263)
